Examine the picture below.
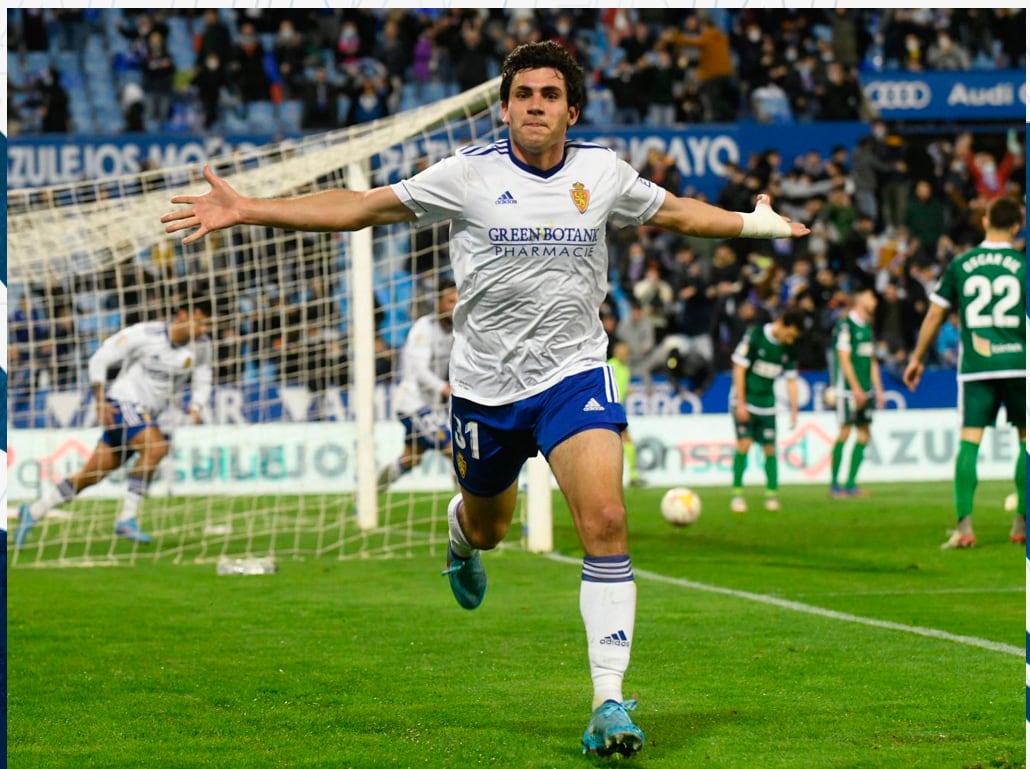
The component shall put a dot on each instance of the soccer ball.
(681, 506)
(830, 397)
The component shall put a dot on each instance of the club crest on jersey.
(462, 465)
(580, 196)
(188, 363)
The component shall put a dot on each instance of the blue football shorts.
(129, 421)
(491, 443)
(426, 429)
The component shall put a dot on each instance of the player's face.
(190, 326)
(538, 115)
(789, 334)
(866, 303)
(445, 306)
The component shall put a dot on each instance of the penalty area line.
(817, 611)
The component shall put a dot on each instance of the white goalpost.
(305, 332)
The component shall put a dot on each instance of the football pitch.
(832, 634)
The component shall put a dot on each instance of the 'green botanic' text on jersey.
(765, 359)
(856, 337)
(985, 285)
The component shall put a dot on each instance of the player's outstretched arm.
(694, 217)
(326, 211)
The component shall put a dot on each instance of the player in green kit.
(857, 385)
(622, 374)
(986, 285)
(764, 354)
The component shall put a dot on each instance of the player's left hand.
(797, 229)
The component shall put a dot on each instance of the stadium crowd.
(199, 70)
(889, 212)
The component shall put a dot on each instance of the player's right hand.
(742, 413)
(105, 413)
(913, 373)
(217, 209)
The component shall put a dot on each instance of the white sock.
(389, 474)
(51, 498)
(608, 604)
(459, 543)
(134, 493)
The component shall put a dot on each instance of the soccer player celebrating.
(157, 361)
(762, 356)
(421, 397)
(856, 381)
(527, 372)
(986, 285)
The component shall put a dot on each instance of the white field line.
(805, 608)
(942, 591)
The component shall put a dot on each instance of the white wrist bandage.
(764, 223)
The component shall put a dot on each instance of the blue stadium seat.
(36, 62)
(600, 109)
(74, 83)
(289, 116)
(66, 61)
(16, 69)
(233, 123)
(82, 118)
(261, 117)
(434, 91)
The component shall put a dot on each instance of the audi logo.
(899, 94)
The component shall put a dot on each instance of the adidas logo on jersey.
(593, 405)
(615, 639)
(506, 199)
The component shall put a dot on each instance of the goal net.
(306, 333)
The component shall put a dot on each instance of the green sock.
(739, 465)
(965, 478)
(856, 461)
(1021, 479)
(838, 458)
(772, 473)
(631, 459)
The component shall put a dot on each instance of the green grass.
(371, 664)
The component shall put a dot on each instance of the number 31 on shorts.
(471, 429)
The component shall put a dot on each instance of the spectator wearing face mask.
(947, 54)
(209, 80)
(715, 70)
(989, 176)
(248, 66)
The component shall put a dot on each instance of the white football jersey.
(423, 366)
(530, 259)
(154, 372)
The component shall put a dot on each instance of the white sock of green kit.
(608, 604)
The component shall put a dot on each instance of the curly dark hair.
(547, 54)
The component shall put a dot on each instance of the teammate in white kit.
(528, 371)
(157, 361)
(420, 399)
